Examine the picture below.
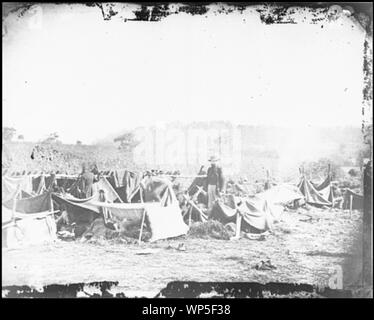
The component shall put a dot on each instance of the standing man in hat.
(86, 180)
(215, 182)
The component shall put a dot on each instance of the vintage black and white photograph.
(180, 150)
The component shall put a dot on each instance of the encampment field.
(305, 247)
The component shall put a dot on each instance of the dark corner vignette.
(270, 14)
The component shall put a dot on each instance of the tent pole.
(350, 205)
(193, 205)
(189, 217)
(238, 224)
(52, 208)
(14, 208)
(141, 194)
(15, 202)
(238, 221)
(141, 227)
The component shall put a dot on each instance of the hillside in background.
(279, 150)
(64, 157)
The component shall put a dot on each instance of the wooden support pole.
(238, 224)
(141, 227)
(350, 205)
(14, 208)
(15, 202)
(192, 204)
(190, 216)
(238, 220)
(141, 194)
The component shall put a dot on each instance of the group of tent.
(29, 217)
(30, 203)
(258, 212)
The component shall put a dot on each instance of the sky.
(70, 71)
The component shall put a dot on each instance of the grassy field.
(305, 247)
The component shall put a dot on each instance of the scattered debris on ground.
(179, 247)
(98, 230)
(254, 236)
(147, 251)
(209, 229)
(264, 265)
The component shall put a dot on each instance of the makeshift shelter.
(65, 182)
(32, 204)
(322, 197)
(25, 195)
(28, 221)
(256, 213)
(282, 194)
(325, 188)
(81, 211)
(126, 183)
(156, 189)
(352, 200)
(162, 215)
(199, 182)
(19, 229)
(163, 221)
(11, 186)
(110, 193)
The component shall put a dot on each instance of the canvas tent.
(325, 189)
(352, 200)
(126, 183)
(256, 213)
(11, 185)
(81, 210)
(322, 197)
(164, 221)
(282, 194)
(32, 204)
(20, 229)
(260, 211)
(199, 182)
(163, 213)
(27, 221)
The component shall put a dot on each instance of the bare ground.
(305, 247)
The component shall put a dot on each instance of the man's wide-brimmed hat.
(213, 158)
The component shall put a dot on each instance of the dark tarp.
(130, 186)
(25, 195)
(325, 189)
(117, 178)
(77, 209)
(199, 182)
(65, 183)
(35, 204)
(257, 214)
(357, 200)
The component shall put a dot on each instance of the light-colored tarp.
(281, 194)
(256, 212)
(325, 189)
(27, 229)
(164, 221)
(10, 185)
(313, 196)
(164, 216)
(110, 194)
